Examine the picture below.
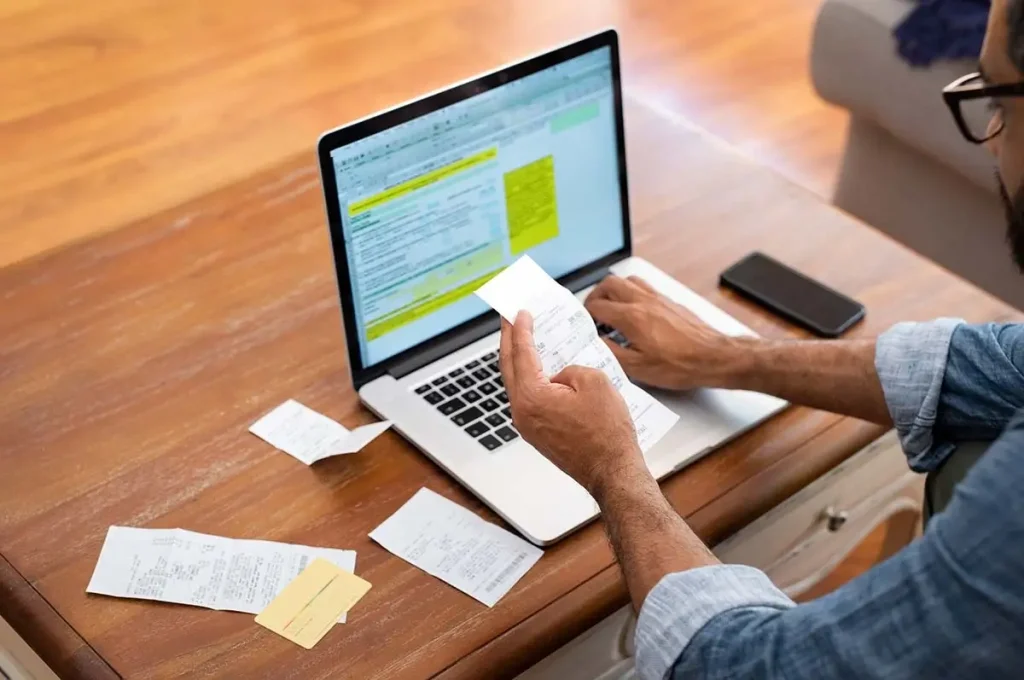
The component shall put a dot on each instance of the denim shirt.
(950, 605)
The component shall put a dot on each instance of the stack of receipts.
(564, 334)
(310, 436)
(174, 565)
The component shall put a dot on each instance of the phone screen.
(793, 295)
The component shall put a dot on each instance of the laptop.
(429, 200)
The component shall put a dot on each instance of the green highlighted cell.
(575, 116)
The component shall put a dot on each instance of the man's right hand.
(669, 346)
(576, 419)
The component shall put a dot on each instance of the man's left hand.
(576, 419)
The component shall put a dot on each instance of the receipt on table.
(448, 541)
(174, 565)
(310, 436)
(564, 334)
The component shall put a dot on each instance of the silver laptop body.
(428, 200)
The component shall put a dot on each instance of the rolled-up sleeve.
(947, 382)
(910, 359)
(682, 603)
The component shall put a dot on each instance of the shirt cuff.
(683, 602)
(910, 359)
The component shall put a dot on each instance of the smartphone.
(793, 296)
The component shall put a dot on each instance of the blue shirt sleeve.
(983, 385)
(683, 603)
(947, 382)
(951, 605)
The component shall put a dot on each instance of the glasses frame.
(964, 89)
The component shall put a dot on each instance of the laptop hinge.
(580, 281)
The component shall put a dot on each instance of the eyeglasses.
(976, 107)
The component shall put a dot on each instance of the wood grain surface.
(113, 110)
(132, 364)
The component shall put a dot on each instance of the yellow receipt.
(308, 606)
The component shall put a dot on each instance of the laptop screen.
(434, 207)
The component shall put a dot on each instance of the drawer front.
(598, 654)
(799, 541)
(809, 562)
(17, 660)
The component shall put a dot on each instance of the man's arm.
(651, 541)
(648, 536)
(671, 348)
(938, 382)
(941, 382)
(951, 605)
(580, 423)
(837, 376)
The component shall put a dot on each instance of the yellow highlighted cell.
(424, 180)
(531, 205)
(474, 264)
(422, 307)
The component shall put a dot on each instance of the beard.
(1014, 208)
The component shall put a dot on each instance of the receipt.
(564, 334)
(310, 436)
(448, 541)
(183, 567)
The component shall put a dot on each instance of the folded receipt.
(309, 436)
(564, 335)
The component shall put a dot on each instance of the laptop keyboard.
(473, 397)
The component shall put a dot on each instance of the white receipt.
(565, 334)
(310, 436)
(174, 565)
(448, 541)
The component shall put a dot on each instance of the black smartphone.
(793, 296)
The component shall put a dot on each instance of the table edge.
(44, 630)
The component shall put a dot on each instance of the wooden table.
(131, 365)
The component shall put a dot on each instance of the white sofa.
(906, 170)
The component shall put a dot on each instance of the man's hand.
(576, 419)
(669, 346)
(580, 422)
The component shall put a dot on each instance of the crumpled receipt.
(310, 436)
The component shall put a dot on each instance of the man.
(950, 605)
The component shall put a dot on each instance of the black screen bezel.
(488, 321)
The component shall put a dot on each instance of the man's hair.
(1015, 32)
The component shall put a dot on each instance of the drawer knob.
(835, 519)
